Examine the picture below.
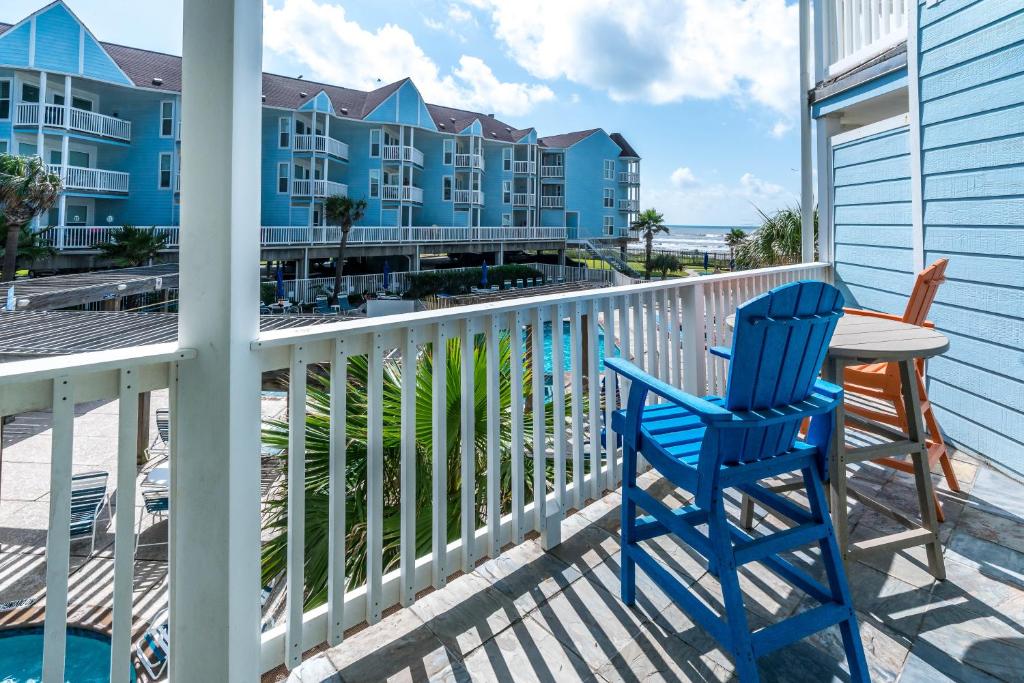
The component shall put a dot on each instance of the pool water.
(566, 346)
(87, 658)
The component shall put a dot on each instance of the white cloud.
(685, 198)
(658, 50)
(781, 127)
(434, 24)
(683, 176)
(337, 50)
(459, 14)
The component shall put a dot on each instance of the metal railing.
(552, 171)
(469, 161)
(403, 153)
(90, 179)
(469, 197)
(318, 188)
(27, 113)
(320, 144)
(401, 193)
(629, 178)
(552, 201)
(857, 30)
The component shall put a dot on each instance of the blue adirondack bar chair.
(707, 445)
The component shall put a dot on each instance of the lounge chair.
(88, 499)
(156, 504)
(153, 648)
(707, 445)
(321, 307)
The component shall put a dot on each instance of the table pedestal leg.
(837, 462)
(922, 471)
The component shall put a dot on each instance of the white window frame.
(286, 176)
(506, 192)
(163, 118)
(284, 133)
(160, 171)
(609, 225)
(506, 159)
(506, 220)
(609, 197)
(447, 188)
(3, 146)
(448, 152)
(609, 169)
(9, 98)
(376, 132)
(374, 175)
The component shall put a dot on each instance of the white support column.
(916, 171)
(806, 178)
(42, 115)
(826, 127)
(215, 503)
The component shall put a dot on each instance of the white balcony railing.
(552, 171)
(523, 199)
(318, 188)
(552, 201)
(475, 161)
(401, 193)
(320, 144)
(857, 30)
(629, 205)
(91, 179)
(528, 167)
(404, 153)
(469, 197)
(629, 178)
(27, 113)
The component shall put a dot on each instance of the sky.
(705, 90)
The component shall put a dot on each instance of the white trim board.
(882, 126)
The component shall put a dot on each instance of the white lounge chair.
(153, 648)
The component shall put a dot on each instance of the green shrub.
(268, 293)
(453, 282)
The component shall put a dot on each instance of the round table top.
(866, 338)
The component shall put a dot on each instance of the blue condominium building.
(107, 118)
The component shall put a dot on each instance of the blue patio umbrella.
(483, 275)
(705, 260)
(280, 284)
(387, 276)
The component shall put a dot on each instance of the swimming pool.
(566, 345)
(87, 658)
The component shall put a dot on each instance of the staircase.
(611, 257)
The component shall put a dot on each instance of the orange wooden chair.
(881, 381)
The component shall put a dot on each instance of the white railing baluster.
(663, 336)
(516, 407)
(677, 358)
(540, 487)
(608, 309)
(594, 394)
(722, 310)
(296, 502)
(439, 456)
(336, 494)
(576, 403)
(124, 527)
(468, 433)
(407, 551)
(374, 477)
(58, 535)
(491, 340)
(651, 324)
(558, 400)
(695, 379)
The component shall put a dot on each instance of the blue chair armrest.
(707, 411)
(822, 400)
(828, 389)
(721, 352)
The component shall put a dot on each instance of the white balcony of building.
(80, 120)
(403, 153)
(79, 178)
(629, 205)
(523, 199)
(524, 167)
(320, 144)
(552, 201)
(854, 31)
(318, 188)
(472, 161)
(629, 178)
(402, 193)
(552, 171)
(469, 197)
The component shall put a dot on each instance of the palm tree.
(733, 240)
(664, 263)
(31, 246)
(317, 456)
(27, 190)
(777, 242)
(343, 211)
(130, 246)
(649, 223)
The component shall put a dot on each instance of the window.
(76, 214)
(506, 220)
(29, 92)
(76, 102)
(609, 225)
(449, 152)
(166, 119)
(375, 142)
(3, 146)
(26, 149)
(609, 169)
(76, 158)
(164, 182)
(55, 156)
(446, 188)
(506, 159)
(283, 134)
(609, 198)
(374, 182)
(317, 217)
(282, 175)
(5, 99)
(506, 192)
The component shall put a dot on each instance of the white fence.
(403, 153)
(629, 205)
(528, 167)
(552, 171)
(91, 179)
(469, 197)
(629, 178)
(523, 199)
(552, 201)
(857, 30)
(27, 113)
(469, 161)
(318, 188)
(320, 144)
(401, 193)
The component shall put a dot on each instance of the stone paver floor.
(531, 615)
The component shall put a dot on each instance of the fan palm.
(131, 246)
(649, 223)
(27, 190)
(777, 242)
(342, 211)
(31, 246)
(734, 239)
(317, 460)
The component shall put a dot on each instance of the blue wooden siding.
(57, 34)
(872, 218)
(14, 45)
(972, 113)
(585, 183)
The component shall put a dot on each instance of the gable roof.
(627, 149)
(563, 140)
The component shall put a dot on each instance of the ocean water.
(697, 237)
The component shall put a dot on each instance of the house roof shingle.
(627, 149)
(563, 140)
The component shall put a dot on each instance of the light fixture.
(110, 219)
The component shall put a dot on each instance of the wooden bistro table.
(858, 340)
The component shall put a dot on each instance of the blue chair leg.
(732, 595)
(837, 577)
(627, 569)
